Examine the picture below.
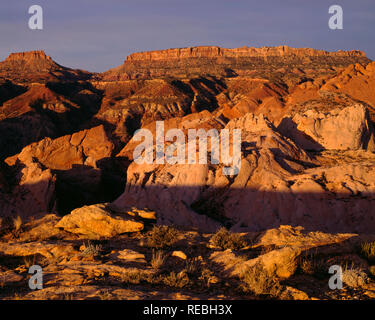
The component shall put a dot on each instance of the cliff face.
(216, 52)
(265, 62)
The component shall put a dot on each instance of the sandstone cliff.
(221, 62)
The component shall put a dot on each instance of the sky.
(96, 35)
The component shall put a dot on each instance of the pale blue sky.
(98, 34)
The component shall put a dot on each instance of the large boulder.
(98, 221)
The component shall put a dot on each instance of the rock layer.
(216, 61)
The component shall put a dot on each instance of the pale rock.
(97, 220)
(179, 254)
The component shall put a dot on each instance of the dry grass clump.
(314, 266)
(136, 276)
(158, 259)
(162, 236)
(192, 266)
(17, 223)
(206, 277)
(257, 280)
(354, 277)
(367, 250)
(225, 239)
(16, 226)
(177, 280)
(29, 261)
(92, 250)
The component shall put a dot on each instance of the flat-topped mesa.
(36, 66)
(29, 56)
(217, 52)
(284, 63)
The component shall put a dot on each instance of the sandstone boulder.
(98, 221)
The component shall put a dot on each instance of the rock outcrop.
(83, 148)
(98, 221)
(215, 61)
(338, 129)
(279, 183)
(33, 194)
(36, 66)
(85, 172)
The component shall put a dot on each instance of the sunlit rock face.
(306, 120)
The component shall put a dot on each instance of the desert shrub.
(313, 266)
(225, 239)
(191, 266)
(162, 236)
(367, 250)
(354, 277)
(29, 260)
(179, 280)
(92, 250)
(17, 226)
(136, 276)
(257, 280)
(158, 259)
(206, 276)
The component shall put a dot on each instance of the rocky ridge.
(73, 199)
